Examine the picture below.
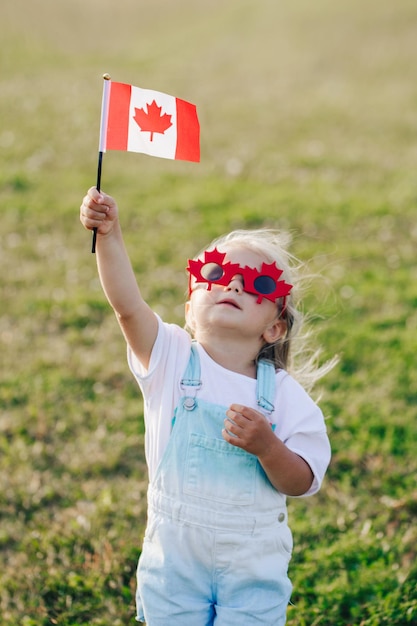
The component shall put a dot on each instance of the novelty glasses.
(264, 283)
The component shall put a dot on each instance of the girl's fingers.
(92, 217)
(97, 210)
(92, 210)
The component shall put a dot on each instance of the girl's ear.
(275, 331)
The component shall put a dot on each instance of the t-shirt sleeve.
(304, 430)
(170, 351)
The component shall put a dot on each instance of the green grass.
(309, 123)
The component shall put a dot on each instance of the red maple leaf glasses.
(263, 283)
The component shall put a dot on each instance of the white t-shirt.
(298, 421)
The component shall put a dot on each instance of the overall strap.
(191, 381)
(265, 386)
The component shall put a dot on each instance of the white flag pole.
(102, 140)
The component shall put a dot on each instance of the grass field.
(308, 113)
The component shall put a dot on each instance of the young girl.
(229, 433)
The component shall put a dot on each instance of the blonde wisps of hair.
(294, 351)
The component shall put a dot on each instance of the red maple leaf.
(151, 121)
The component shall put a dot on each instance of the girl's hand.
(248, 429)
(98, 210)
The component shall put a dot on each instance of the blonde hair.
(293, 351)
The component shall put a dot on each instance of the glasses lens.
(264, 284)
(212, 272)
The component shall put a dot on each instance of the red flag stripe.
(118, 119)
(188, 132)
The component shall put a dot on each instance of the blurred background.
(308, 116)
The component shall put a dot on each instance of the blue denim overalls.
(217, 544)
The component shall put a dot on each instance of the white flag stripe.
(162, 144)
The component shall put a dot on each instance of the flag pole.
(102, 142)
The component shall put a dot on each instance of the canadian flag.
(143, 120)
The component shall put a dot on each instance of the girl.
(229, 433)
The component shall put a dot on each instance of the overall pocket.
(215, 470)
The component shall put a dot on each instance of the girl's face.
(231, 310)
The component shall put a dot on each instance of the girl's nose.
(236, 284)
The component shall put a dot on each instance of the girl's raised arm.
(137, 320)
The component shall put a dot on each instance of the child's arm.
(287, 471)
(137, 321)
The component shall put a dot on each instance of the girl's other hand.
(248, 429)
